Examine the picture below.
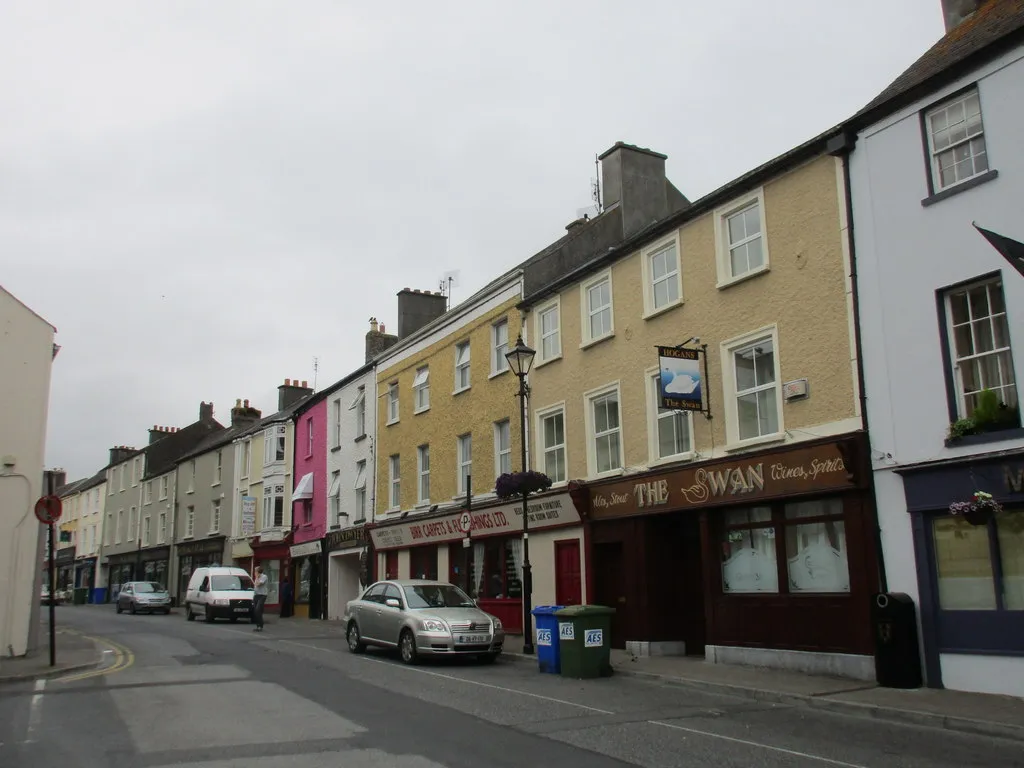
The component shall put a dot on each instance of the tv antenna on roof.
(316, 368)
(448, 281)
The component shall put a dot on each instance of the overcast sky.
(204, 196)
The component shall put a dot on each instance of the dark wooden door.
(391, 564)
(568, 574)
(610, 586)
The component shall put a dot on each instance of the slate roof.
(996, 26)
(69, 488)
(162, 456)
(215, 440)
(98, 479)
(316, 397)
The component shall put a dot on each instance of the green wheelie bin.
(584, 640)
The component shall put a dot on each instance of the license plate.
(474, 639)
(241, 610)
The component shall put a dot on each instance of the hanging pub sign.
(681, 379)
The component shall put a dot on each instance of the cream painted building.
(447, 411)
(696, 516)
(27, 346)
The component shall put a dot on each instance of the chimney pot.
(238, 402)
(246, 403)
(382, 327)
(304, 384)
(287, 382)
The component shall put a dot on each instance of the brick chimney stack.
(377, 340)
(119, 453)
(417, 308)
(205, 411)
(243, 415)
(291, 392)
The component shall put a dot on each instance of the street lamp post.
(520, 359)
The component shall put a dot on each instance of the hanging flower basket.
(978, 511)
(518, 483)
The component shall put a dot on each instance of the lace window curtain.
(478, 569)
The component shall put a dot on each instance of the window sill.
(186, 538)
(360, 438)
(460, 391)
(360, 521)
(189, 492)
(755, 442)
(986, 437)
(679, 458)
(594, 342)
(963, 186)
(730, 281)
(496, 374)
(653, 313)
(542, 363)
(420, 410)
(610, 473)
(336, 448)
(214, 485)
(391, 423)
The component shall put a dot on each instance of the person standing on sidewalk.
(259, 598)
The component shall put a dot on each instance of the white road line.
(35, 710)
(758, 744)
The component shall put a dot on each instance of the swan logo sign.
(680, 381)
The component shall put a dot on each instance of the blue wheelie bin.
(548, 656)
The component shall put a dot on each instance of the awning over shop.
(304, 490)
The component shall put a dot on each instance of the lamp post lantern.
(520, 360)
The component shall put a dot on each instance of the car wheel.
(407, 646)
(207, 615)
(355, 642)
(189, 616)
(132, 610)
(118, 606)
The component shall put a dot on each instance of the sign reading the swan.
(545, 512)
(680, 381)
(798, 470)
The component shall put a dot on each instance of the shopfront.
(766, 558)
(120, 569)
(490, 567)
(347, 566)
(272, 551)
(64, 563)
(307, 579)
(85, 574)
(196, 554)
(970, 571)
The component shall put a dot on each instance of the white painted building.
(942, 320)
(351, 434)
(27, 350)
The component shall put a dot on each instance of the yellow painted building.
(695, 515)
(447, 409)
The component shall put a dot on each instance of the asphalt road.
(220, 696)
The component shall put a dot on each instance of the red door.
(568, 578)
(391, 564)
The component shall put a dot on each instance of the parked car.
(422, 618)
(148, 596)
(219, 592)
(45, 597)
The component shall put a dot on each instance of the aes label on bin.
(566, 630)
(543, 637)
(593, 638)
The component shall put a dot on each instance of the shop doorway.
(610, 586)
(391, 564)
(568, 574)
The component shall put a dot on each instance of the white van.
(219, 592)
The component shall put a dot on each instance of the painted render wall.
(805, 293)
(26, 349)
(311, 458)
(352, 448)
(905, 253)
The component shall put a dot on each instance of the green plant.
(990, 415)
(962, 428)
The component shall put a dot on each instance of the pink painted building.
(309, 514)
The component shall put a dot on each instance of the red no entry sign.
(48, 510)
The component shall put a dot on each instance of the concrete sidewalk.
(75, 653)
(976, 713)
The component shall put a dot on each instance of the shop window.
(304, 576)
(807, 537)
(423, 562)
(272, 568)
(496, 567)
(969, 578)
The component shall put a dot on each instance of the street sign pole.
(53, 601)
(466, 542)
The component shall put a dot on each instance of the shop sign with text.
(308, 548)
(803, 470)
(1013, 476)
(354, 536)
(544, 511)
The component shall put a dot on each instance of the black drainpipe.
(842, 145)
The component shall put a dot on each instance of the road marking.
(758, 744)
(35, 710)
(123, 658)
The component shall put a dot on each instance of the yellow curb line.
(123, 658)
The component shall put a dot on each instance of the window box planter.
(989, 419)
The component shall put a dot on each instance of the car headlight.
(431, 625)
(497, 623)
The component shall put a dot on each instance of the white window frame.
(654, 422)
(334, 497)
(275, 442)
(132, 519)
(215, 510)
(423, 475)
(393, 404)
(336, 423)
(359, 406)
(499, 363)
(147, 492)
(589, 398)
(359, 487)
(394, 482)
(246, 458)
(218, 469)
(121, 484)
(728, 348)
(145, 531)
(267, 520)
(161, 528)
(554, 306)
(723, 246)
(933, 154)
(421, 390)
(190, 522)
(135, 472)
(309, 436)
(462, 462)
(192, 477)
(463, 365)
(163, 487)
(586, 312)
(498, 452)
(647, 256)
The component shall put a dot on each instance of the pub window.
(808, 537)
(969, 577)
(423, 562)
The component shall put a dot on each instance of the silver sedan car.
(422, 618)
(146, 596)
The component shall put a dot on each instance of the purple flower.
(518, 483)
